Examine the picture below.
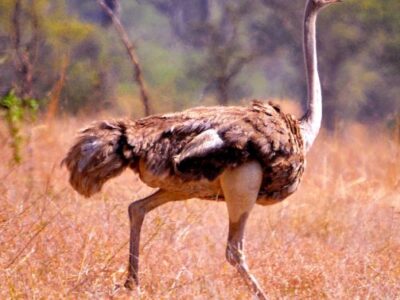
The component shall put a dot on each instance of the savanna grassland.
(338, 237)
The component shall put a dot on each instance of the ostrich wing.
(204, 144)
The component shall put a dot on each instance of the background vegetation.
(62, 65)
(202, 52)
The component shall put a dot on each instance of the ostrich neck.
(311, 121)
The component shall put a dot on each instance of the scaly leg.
(241, 187)
(137, 211)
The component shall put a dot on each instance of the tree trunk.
(23, 64)
(222, 90)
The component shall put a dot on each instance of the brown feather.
(195, 144)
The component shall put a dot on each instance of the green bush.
(17, 111)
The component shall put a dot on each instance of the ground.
(336, 238)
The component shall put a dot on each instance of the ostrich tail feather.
(97, 156)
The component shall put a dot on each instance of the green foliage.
(66, 32)
(18, 111)
(51, 31)
(5, 11)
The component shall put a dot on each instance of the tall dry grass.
(336, 238)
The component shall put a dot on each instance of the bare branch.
(131, 49)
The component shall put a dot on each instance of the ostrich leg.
(137, 211)
(241, 186)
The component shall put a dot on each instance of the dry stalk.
(56, 91)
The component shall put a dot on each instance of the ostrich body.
(243, 155)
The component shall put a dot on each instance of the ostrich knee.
(135, 212)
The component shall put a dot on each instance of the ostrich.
(243, 155)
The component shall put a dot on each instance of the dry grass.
(336, 238)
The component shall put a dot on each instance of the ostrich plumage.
(240, 154)
(175, 151)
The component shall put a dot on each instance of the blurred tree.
(91, 13)
(221, 36)
(227, 48)
(381, 23)
(347, 47)
(34, 36)
(187, 18)
(131, 51)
